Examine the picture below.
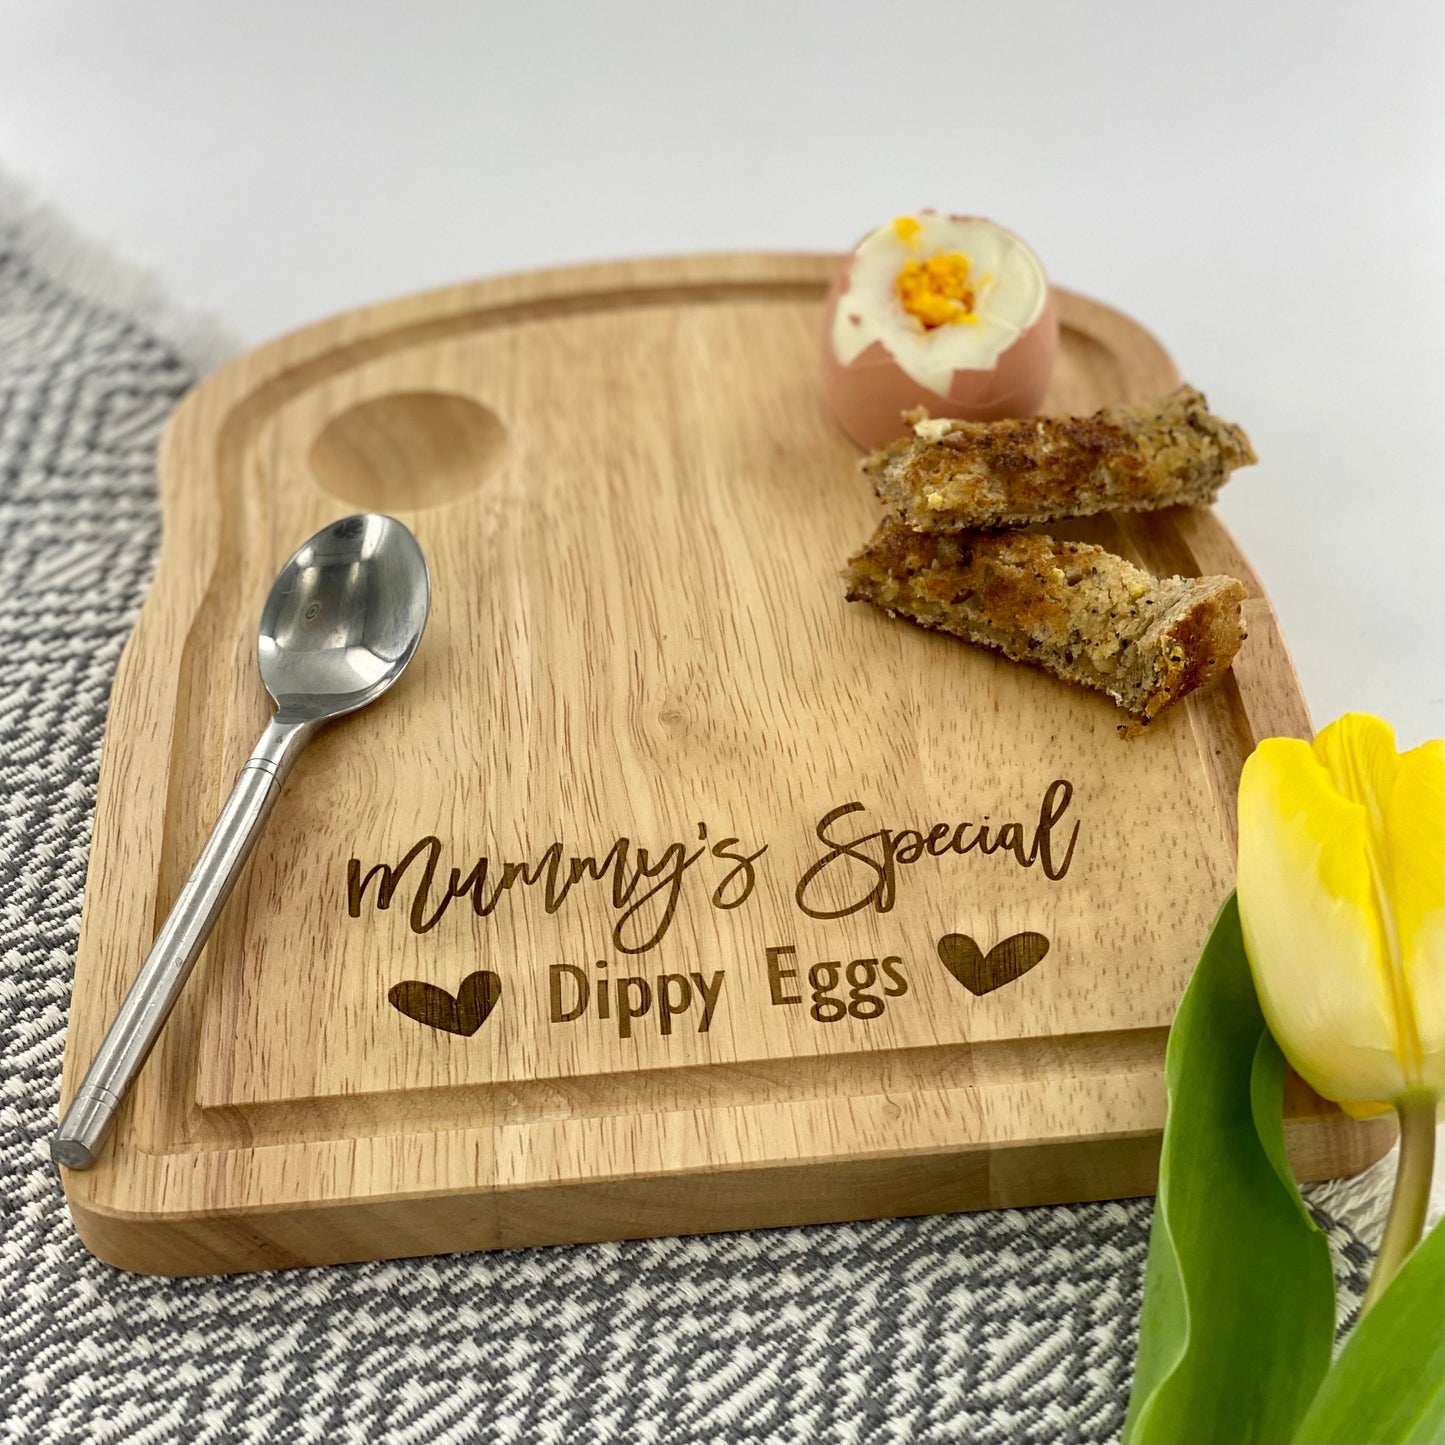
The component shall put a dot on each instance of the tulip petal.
(1358, 752)
(1415, 839)
(1311, 920)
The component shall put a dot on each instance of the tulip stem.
(1408, 1204)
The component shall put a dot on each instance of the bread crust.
(960, 475)
(1073, 609)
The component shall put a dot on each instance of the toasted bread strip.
(953, 475)
(1078, 611)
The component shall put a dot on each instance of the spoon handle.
(143, 1012)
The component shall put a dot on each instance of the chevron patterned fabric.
(1014, 1326)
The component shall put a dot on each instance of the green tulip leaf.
(1239, 1303)
(1388, 1385)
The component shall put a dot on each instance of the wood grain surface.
(667, 892)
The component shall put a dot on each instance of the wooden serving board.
(667, 892)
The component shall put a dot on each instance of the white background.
(1262, 184)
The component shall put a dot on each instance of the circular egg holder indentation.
(408, 450)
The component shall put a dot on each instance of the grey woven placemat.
(1013, 1326)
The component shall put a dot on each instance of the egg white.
(1006, 304)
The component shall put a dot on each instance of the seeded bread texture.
(963, 475)
(1080, 612)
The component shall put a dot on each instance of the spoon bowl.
(343, 618)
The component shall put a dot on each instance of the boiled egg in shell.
(950, 313)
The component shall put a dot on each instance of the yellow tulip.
(1342, 903)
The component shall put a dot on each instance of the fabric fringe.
(53, 245)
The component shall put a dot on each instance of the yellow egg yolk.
(938, 291)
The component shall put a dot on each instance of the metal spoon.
(343, 620)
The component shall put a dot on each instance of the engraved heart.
(981, 973)
(437, 1009)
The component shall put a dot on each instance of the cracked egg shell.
(950, 313)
